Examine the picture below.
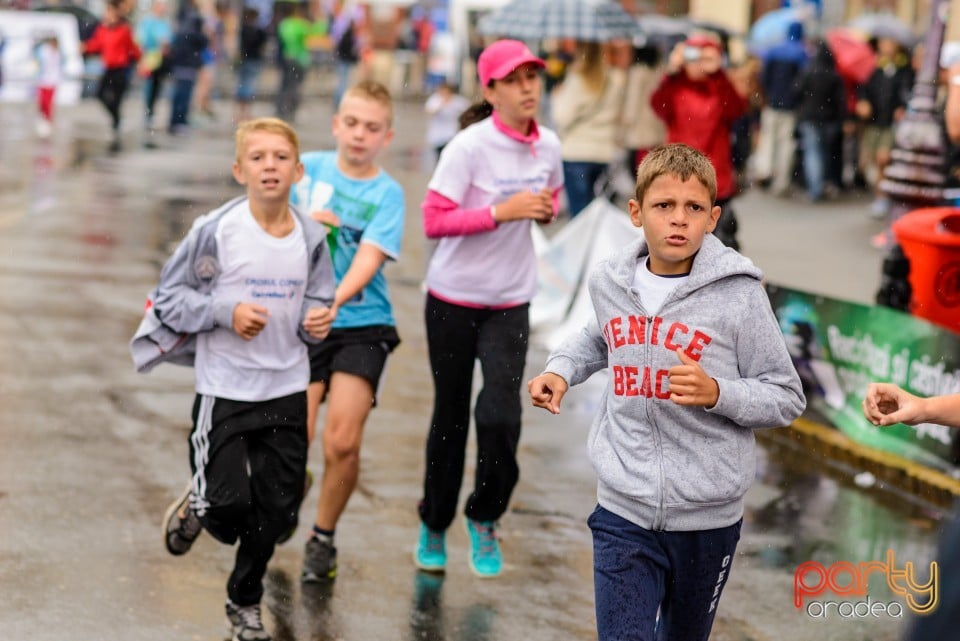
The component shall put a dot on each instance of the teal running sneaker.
(486, 561)
(430, 554)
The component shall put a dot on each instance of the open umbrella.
(884, 25)
(772, 27)
(661, 31)
(653, 24)
(584, 20)
(855, 58)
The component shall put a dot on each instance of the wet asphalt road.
(91, 453)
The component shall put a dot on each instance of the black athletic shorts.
(361, 351)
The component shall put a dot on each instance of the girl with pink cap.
(492, 180)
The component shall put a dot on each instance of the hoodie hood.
(713, 262)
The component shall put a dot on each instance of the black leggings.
(113, 86)
(457, 336)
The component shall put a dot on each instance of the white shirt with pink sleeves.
(482, 166)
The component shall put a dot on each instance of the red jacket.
(115, 45)
(701, 114)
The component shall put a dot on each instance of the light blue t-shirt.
(153, 33)
(370, 211)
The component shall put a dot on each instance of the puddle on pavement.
(32, 173)
(307, 611)
(82, 150)
(172, 225)
(172, 215)
(430, 620)
(816, 512)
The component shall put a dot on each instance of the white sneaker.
(246, 622)
(880, 207)
(44, 128)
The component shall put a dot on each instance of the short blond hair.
(374, 91)
(680, 160)
(268, 125)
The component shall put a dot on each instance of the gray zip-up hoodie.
(183, 303)
(661, 465)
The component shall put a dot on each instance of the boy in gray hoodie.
(697, 362)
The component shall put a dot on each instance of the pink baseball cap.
(502, 58)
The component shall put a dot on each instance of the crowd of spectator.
(186, 52)
(785, 119)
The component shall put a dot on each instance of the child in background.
(697, 362)
(443, 108)
(49, 74)
(113, 40)
(215, 28)
(186, 54)
(253, 38)
(154, 35)
(293, 35)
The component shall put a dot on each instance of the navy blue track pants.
(639, 573)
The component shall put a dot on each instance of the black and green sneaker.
(319, 561)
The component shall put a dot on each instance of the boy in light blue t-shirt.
(363, 207)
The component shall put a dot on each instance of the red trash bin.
(930, 239)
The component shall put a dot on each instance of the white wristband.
(493, 213)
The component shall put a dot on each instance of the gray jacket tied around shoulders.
(182, 304)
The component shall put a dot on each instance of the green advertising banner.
(840, 347)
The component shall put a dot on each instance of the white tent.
(21, 32)
(562, 305)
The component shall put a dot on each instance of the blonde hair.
(270, 126)
(374, 91)
(680, 160)
(591, 66)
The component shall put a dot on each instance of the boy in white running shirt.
(247, 288)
